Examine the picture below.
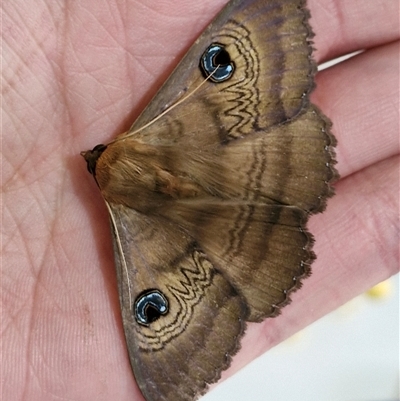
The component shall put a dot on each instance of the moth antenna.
(114, 224)
(167, 110)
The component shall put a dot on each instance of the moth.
(209, 193)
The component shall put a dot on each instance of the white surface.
(350, 355)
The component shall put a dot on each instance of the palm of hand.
(72, 77)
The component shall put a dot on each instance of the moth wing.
(268, 44)
(263, 250)
(175, 356)
(291, 164)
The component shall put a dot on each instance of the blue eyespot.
(150, 306)
(216, 63)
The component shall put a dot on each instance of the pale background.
(351, 354)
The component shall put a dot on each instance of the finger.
(360, 96)
(343, 26)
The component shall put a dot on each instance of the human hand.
(76, 74)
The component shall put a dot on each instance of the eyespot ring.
(150, 306)
(216, 63)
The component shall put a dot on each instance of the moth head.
(91, 157)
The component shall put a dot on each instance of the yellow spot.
(381, 290)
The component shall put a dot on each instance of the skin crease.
(76, 74)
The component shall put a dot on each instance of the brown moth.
(209, 198)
